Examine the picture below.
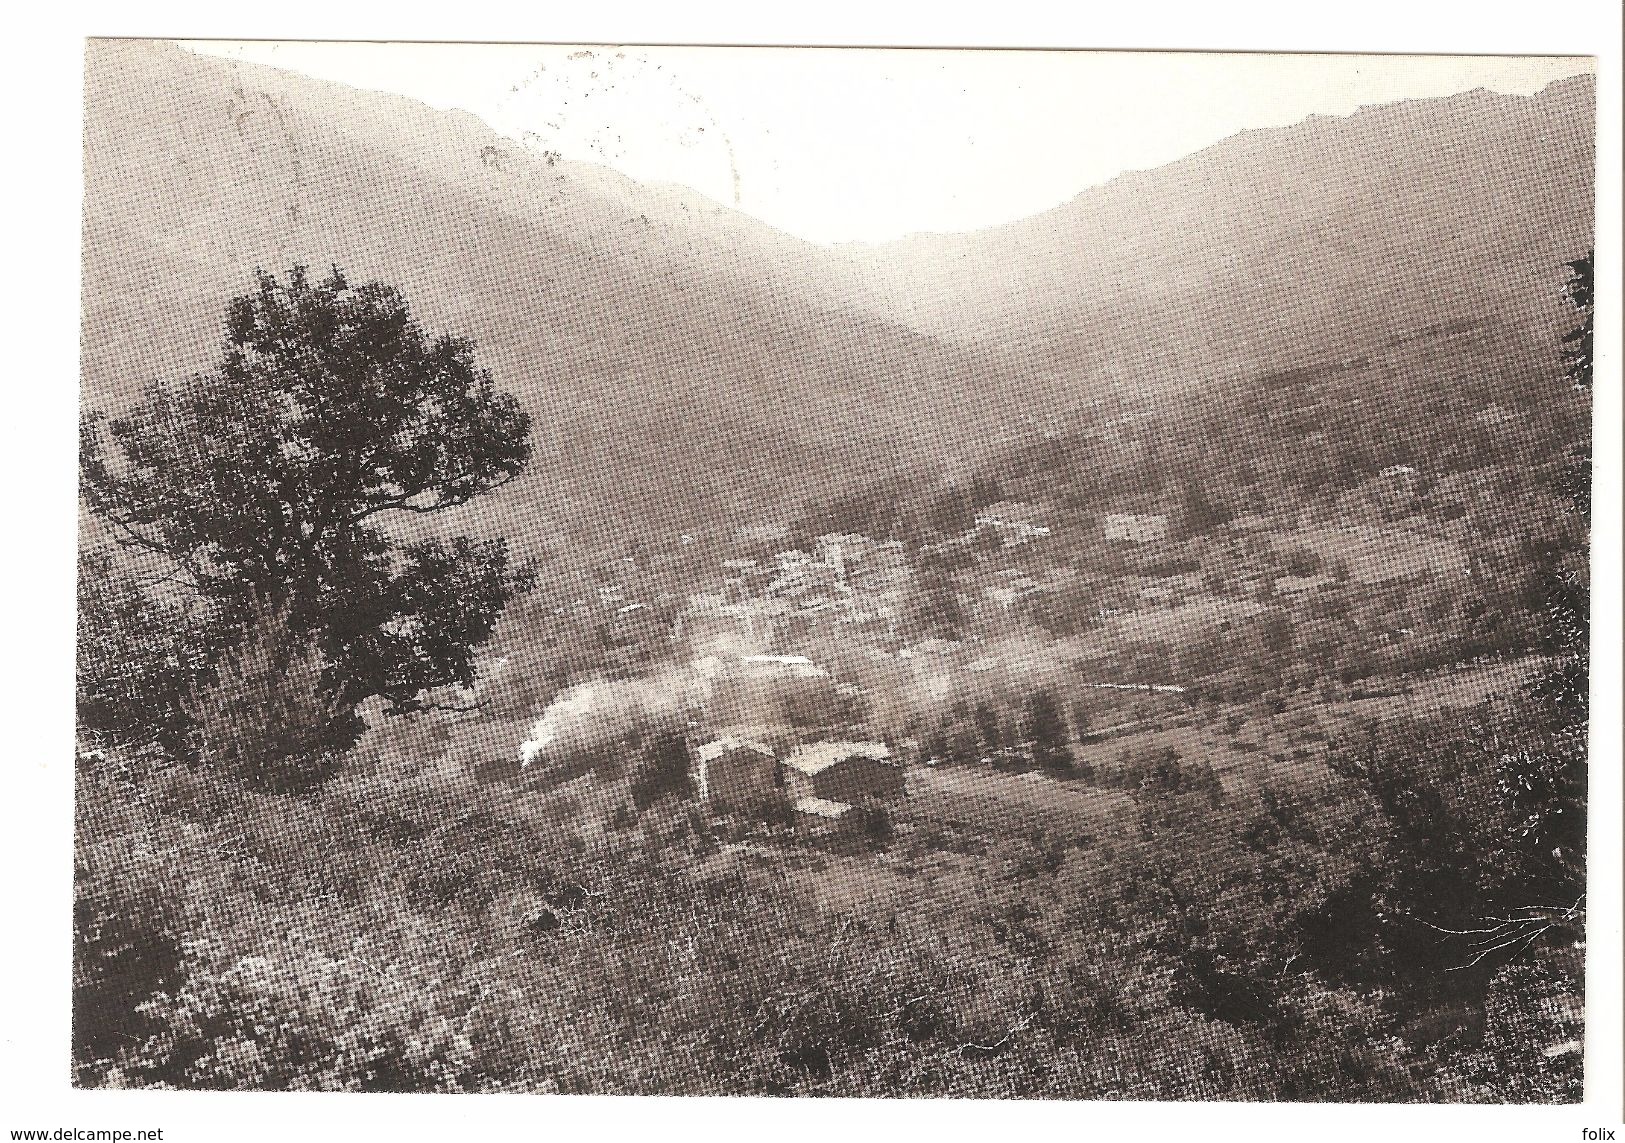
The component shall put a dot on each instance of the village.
(771, 710)
(790, 654)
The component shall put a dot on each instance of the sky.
(867, 145)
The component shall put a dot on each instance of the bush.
(664, 768)
(268, 718)
(126, 950)
(137, 661)
(1300, 561)
(1162, 770)
(772, 808)
(875, 824)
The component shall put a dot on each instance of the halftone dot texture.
(435, 919)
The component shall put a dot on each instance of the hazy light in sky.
(871, 144)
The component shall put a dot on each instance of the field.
(998, 804)
(1379, 555)
(1174, 624)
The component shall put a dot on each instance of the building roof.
(1125, 517)
(816, 757)
(776, 667)
(713, 750)
(1296, 583)
(821, 807)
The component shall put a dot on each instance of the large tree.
(271, 480)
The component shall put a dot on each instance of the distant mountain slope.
(680, 362)
(689, 366)
(1282, 243)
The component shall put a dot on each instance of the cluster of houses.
(851, 582)
(846, 581)
(1014, 523)
(823, 781)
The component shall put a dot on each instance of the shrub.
(126, 950)
(1162, 770)
(1047, 732)
(772, 808)
(137, 660)
(663, 768)
(875, 824)
(268, 718)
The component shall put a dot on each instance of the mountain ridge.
(1203, 217)
(654, 336)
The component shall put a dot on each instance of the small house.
(847, 772)
(732, 771)
(1135, 529)
(1297, 586)
(1014, 522)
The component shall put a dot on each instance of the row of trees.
(1032, 733)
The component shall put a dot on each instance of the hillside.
(649, 336)
(1278, 245)
(690, 367)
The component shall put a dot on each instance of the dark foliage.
(266, 716)
(1046, 732)
(138, 660)
(1395, 914)
(269, 478)
(664, 767)
(127, 950)
(1581, 292)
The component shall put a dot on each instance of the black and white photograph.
(1045, 575)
